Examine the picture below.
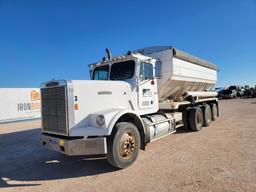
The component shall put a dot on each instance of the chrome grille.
(54, 110)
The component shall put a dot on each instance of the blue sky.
(41, 40)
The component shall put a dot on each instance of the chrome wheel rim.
(127, 145)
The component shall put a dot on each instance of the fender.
(88, 127)
(120, 114)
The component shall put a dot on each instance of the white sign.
(19, 104)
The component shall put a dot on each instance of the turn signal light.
(76, 106)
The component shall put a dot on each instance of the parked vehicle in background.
(218, 89)
(239, 90)
(227, 93)
(131, 100)
(250, 92)
(231, 92)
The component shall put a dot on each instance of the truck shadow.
(182, 130)
(23, 160)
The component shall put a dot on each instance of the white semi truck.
(131, 100)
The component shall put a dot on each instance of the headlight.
(100, 120)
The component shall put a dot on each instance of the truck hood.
(96, 97)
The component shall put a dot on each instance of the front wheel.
(123, 145)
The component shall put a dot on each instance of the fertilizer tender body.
(131, 100)
(181, 72)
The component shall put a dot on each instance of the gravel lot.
(221, 157)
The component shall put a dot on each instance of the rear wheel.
(214, 112)
(195, 118)
(185, 114)
(207, 115)
(123, 145)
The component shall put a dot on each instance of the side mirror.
(158, 69)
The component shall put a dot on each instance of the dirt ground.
(221, 157)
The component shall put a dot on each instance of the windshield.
(122, 70)
(101, 73)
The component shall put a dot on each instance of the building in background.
(19, 104)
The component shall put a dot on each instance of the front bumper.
(90, 146)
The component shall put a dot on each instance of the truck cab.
(136, 70)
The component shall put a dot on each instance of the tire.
(214, 112)
(207, 115)
(195, 118)
(185, 114)
(123, 145)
